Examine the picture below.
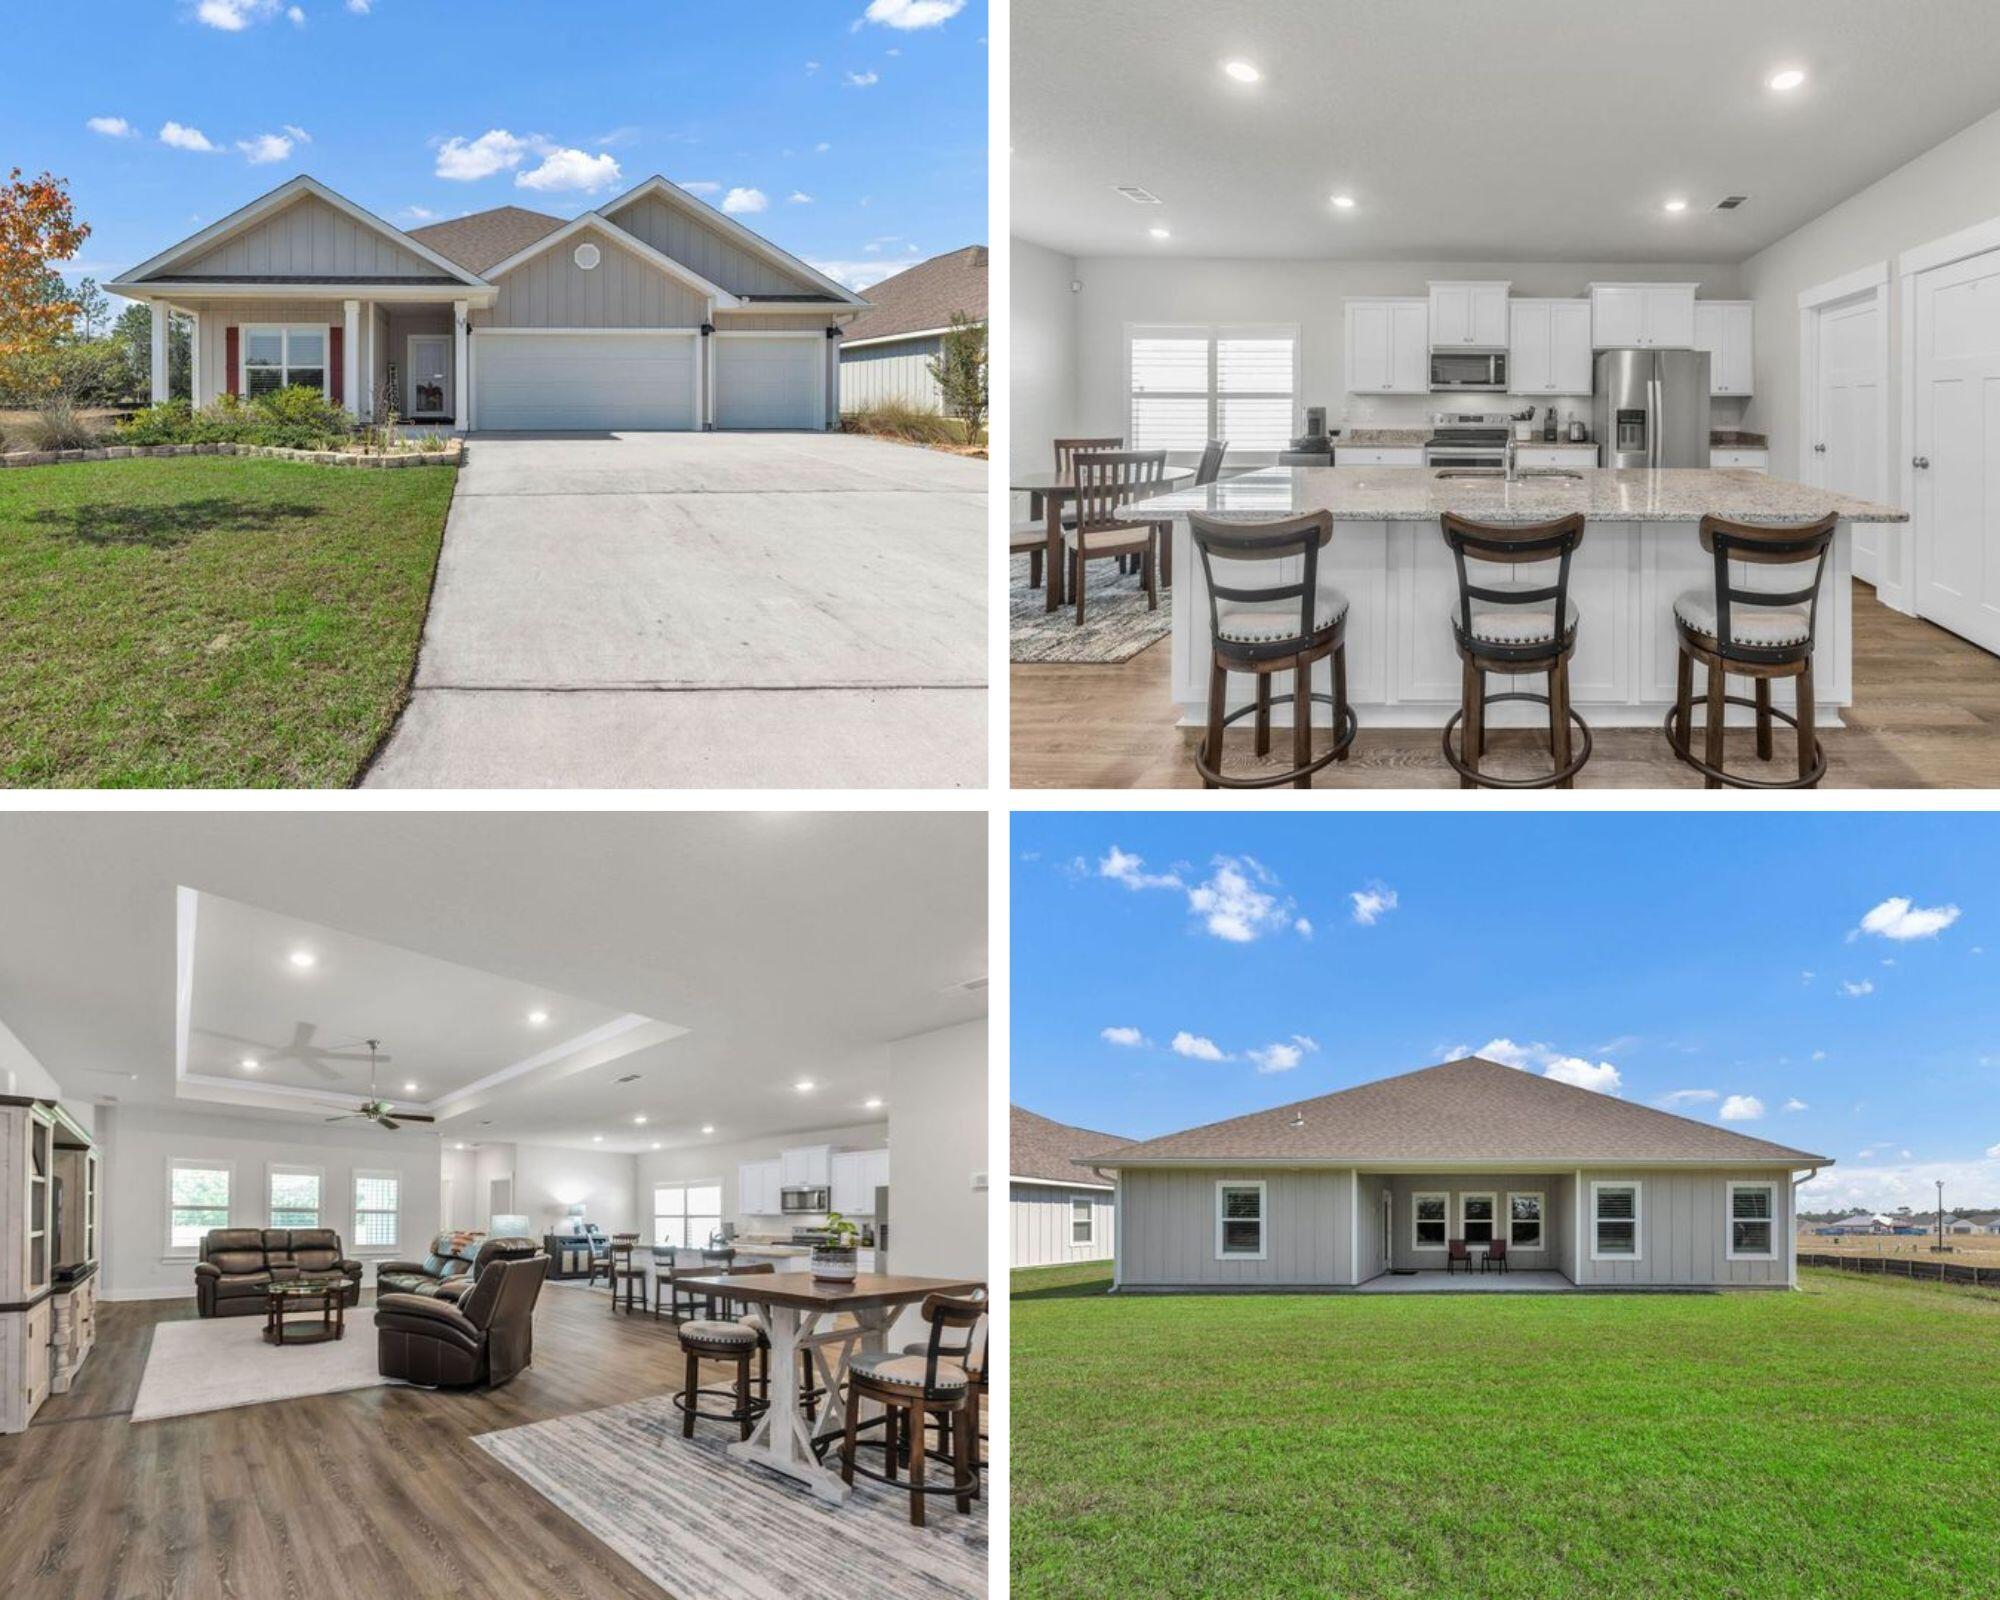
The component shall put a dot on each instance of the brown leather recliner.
(487, 1336)
(237, 1264)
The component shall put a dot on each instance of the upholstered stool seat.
(1752, 625)
(734, 1342)
(1027, 536)
(1518, 624)
(1260, 622)
(906, 1370)
(726, 1335)
(916, 1392)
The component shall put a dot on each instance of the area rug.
(697, 1521)
(219, 1362)
(1117, 625)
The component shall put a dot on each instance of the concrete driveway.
(675, 611)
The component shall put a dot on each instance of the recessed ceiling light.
(1677, 204)
(461, 1147)
(1160, 233)
(656, 1144)
(597, 1138)
(640, 1120)
(303, 958)
(249, 1063)
(871, 1105)
(804, 1085)
(1790, 78)
(1241, 71)
(708, 1127)
(538, 1017)
(410, 1087)
(1344, 202)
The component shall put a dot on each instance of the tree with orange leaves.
(37, 229)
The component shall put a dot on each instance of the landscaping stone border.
(450, 453)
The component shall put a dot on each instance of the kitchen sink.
(1520, 476)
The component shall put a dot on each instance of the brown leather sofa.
(484, 1337)
(448, 1269)
(236, 1265)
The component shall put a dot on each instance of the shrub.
(296, 418)
(57, 425)
(169, 422)
(299, 418)
(899, 421)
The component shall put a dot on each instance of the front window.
(377, 1201)
(197, 1200)
(1614, 1220)
(1239, 1220)
(1524, 1221)
(1082, 1219)
(686, 1215)
(1753, 1213)
(1429, 1221)
(280, 358)
(294, 1197)
(1476, 1213)
(1189, 384)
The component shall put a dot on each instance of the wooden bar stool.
(970, 1353)
(1286, 623)
(912, 1390)
(1515, 627)
(731, 1342)
(1105, 481)
(1758, 634)
(623, 1270)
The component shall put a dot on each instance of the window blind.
(377, 1198)
(1189, 385)
(295, 1199)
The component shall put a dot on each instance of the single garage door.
(575, 380)
(770, 381)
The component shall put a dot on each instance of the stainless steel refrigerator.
(1651, 408)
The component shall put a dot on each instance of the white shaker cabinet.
(757, 1189)
(1468, 315)
(807, 1166)
(1726, 330)
(1388, 346)
(1548, 344)
(857, 1174)
(1642, 316)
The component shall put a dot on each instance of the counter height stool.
(625, 1270)
(913, 1390)
(1758, 634)
(1105, 481)
(1266, 622)
(1514, 627)
(732, 1342)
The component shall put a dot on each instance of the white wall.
(139, 1141)
(1041, 343)
(457, 1170)
(717, 1163)
(1953, 186)
(548, 1181)
(22, 1073)
(937, 1143)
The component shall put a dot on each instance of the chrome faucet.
(1511, 456)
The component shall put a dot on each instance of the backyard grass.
(1839, 1441)
(209, 621)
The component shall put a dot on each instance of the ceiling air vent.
(1730, 202)
(1137, 195)
(633, 1077)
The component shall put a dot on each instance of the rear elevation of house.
(1057, 1212)
(1335, 1192)
(654, 311)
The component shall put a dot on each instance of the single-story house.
(1334, 1192)
(1854, 1223)
(1057, 1212)
(652, 311)
(885, 357)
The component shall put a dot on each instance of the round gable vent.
(587, 256)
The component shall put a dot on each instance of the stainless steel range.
(1467, 439)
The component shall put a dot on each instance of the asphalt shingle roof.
(486, 237)
(925, 296)
(1040, 1148)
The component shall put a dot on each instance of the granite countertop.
(1418, 494)
(1736, 439)
(1384, 438)
(1556, 444)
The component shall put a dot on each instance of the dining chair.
(1067, 450)
(1105, 482)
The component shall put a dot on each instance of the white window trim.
(294, 1169)
(1729, 1250)
(354, 1238)
(1417, 1198)
(1090, 1220)
(1638, 1217)
(1541, 1218)
(1263, 1219)
(176, 1252)
(286, 330)
(1493, 1222)
(684, 1185)
(1214, 333)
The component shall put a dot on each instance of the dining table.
(1048, 491)
(799, 1311)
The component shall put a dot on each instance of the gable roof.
(673, 194)
(475, 242)
(1463, 1111)
(923, 299)
(1039, 1147)
(625, 241)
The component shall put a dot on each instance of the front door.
(429, 383)
(1956, 448)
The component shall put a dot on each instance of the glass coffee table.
(289, 1299)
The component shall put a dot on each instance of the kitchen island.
(1639, 551)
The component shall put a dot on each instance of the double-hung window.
(1189, 383)
(1476, 1213)
(1524, 1221)
(294, 1197)
(277, 358)
(686, 1215)
(197, 1200)
(377, 1202)
(1239, 1221)
(1614, 1222)
(1082, 1219)
(1429, 1221)
(1753, 1222)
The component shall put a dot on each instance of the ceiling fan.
(375, 1109)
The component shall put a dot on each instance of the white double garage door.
(524, 381)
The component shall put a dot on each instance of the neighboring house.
(654, 311)
(1857, 1222)
(887, 353)
(1057, 1211)
(1332, 1192)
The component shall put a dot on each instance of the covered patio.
(1428, 1281)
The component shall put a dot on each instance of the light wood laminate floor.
(1927, 716)
(373, 1493)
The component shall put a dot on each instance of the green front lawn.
(209, 620)
(1841, 1441)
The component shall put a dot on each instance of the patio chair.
(1454, 1253)
(1496, 1256)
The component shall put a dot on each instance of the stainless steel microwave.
(804, 1200)
(1469, 369)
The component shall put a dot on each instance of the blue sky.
(1826, 980)
(860, 127)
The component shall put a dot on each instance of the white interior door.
(1955, 448)
(429, 381)
(1845, 442)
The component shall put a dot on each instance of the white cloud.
(1234, 906)
(360, 8)
(1741, 1108)
(265, 148)
(233, 16)
(1130, 870)
(297, 15)
(1805, 977)
(812, 66)
(1284, 1055)
(180, 138)
(799, 197)
(1884, 1188)
(1897, 918)
(821, 148)
(739, 201)
(1819, 1055)
(859, 80)
(570, 170)
(856, 275)
(1685, 1097)
(112, 127)
(1863, 987)
(1796, 1104)
(1303, 927)
(1993, 1151)
(1124, 1036)
(419, 213)
(1370, 903)
(494, 150)
(1574, 1070)
(1580, 1074)
(699, 186)
(912, 13)
(1196, 1047)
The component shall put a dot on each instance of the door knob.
(1920, 461)
(1819, 449)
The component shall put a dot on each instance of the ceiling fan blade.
(345, 1116)
(414, 1116)
(390, 1123)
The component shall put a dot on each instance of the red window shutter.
(232, 375)
(335, 366)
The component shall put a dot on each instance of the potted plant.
(833, 1260)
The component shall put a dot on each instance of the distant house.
(1058, 1212)
(886, 354)
(1855, 1223)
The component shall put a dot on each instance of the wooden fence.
(1908, 1267)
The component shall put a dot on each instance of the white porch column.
(350, 358)
(195, 392)
(461, 395)
(160, 315)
